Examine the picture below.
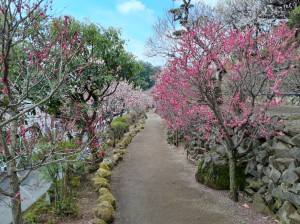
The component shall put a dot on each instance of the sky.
(134, 18)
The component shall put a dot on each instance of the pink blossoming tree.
(216, 84)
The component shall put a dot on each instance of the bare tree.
(168, 29)
(258, 13)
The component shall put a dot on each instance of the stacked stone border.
(270, 173)
(105, 210)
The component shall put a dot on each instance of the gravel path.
(156, 185)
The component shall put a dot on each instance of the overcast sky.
(134, 17)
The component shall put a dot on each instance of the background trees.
(250, 13)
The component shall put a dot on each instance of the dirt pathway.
(156, 185)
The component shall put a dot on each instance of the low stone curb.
(105, 211)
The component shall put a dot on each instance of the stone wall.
(273, 182)
(272, 171)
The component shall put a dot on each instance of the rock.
(106, 166)
(285, 139)
(199, 157)
(262, 190)
(271, 186)
(275, 175)
(97, 221)
(288, 214)
(262, 157)
(105, 211)
(291, 131)
(281, 149)
(295, 153)
(116, 158)
(269, 200)
(100, 182)
(277, 193)
(192, 154)
(293, 190)
(90, 168)
(248, 191)
(293, 198)
(221, 150)
(268, 148)
(105, 195)
(103, 173)
(284, 187)
(283, 163)
(241, 150)
(277, 205)
(251, 167)
(260, 206)
(297, 187)
(267, 171)
(297, 171)
(119, 151)
(215, 157)
(266, 180)
(296, 140)
(259, 169)
(255, 184)
(289, 176)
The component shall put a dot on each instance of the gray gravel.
(156, 185)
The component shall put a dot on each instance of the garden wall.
(269, 175)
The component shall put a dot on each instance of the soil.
(156, 185)
(86, 200)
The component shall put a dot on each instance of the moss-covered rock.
(105, 211)
(97, 221)
(119, 151)
(115, 158)
(100, 182)
(124, 142)
(106, 165)
(103, 173)
(216, 176)
(105, 195)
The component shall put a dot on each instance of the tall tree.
(187, 91)
(250, 13)
(35, 62)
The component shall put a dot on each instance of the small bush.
(118, 127)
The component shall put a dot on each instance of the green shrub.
(120, 119)
(130, 118)
(118, 127)
(216, 176)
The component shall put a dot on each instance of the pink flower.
(5, 91)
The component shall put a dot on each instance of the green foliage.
(119, 126)
(294, 20)
(52, 107)
(216, 176)
(120, 119)
(38, 212)
(147, 74)
(130, 118)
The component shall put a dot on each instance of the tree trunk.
(16, 200)
(14, 182)
(14, 179)
(233, 193)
